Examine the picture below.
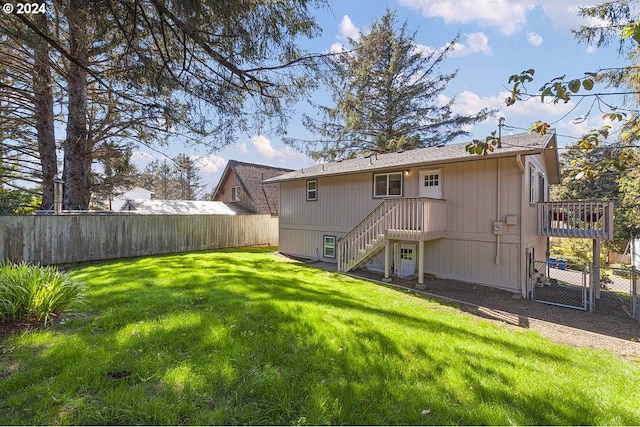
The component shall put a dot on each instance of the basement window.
(329, 247)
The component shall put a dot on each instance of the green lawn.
(242, 337)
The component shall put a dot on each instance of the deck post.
(396, 256)
(387, 259)
(595, 274)
(420, 254)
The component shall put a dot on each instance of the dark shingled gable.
(265, 196)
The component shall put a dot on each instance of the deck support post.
(595, 274)
(420, 255)
(396, 256)
(387, 259)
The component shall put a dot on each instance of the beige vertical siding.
(469, 249)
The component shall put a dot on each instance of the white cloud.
(265, 149)
(348, 30)
(475, 43)
(210, 164)
(242, 147)
(534, 39)
(508, 16)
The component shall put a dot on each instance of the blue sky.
(498, 38)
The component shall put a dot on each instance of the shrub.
(34, 294)
(575, 251)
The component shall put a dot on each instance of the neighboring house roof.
(512, 145)
(121, 196)
(265, 197)
(180, 207)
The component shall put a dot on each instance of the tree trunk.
(77, 161)
(43, 94)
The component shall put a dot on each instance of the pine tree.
(386, 93)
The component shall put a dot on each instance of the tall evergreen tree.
(386, 93)
(203, 70)
(189, 182)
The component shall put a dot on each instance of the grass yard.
(243, 337)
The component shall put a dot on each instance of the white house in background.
(180, 207)
(437, 210)
(134, 193)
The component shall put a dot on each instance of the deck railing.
(590, 219)
(415, 218)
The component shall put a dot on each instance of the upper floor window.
(236, 192)
(387, 184)
(312, 190)
(532, 184)
(542, 188)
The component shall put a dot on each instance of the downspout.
(520, 163)
(523, 258)
(498, 214)
(500, 124)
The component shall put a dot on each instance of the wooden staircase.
(417, 218)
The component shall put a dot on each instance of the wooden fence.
(77, 238)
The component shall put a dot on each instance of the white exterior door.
(430, 183)
(407, 260)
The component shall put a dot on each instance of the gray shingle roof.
(512, 145)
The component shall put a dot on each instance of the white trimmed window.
(312, 190)
(329, 247)
(532, 184)
(542, 188)
(236, 192)
(387, 184)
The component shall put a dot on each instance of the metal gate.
(570, 285)
(564, 284)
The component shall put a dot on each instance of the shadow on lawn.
(258, 341)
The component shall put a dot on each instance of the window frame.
(542, 187)
(315, 190)
(388, 181)
(325, 239)
(236, 193)
(532, 184)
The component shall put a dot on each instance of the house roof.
(512, 145)
(181, 207)
(265, 197)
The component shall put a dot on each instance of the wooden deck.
(588, 219)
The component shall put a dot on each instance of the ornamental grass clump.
(34, 294)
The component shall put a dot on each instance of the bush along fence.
(83, 237)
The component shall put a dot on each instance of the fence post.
(634, 297)
(591, 285)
